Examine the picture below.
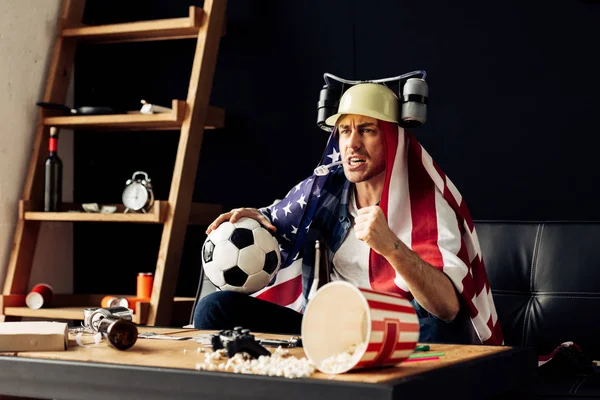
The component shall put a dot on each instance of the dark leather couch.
(545, 280)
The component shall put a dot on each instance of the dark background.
(513, 109)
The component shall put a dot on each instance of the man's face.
(362, 147)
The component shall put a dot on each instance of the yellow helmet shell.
(369, 99)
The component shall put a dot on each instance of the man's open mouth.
(355, 160)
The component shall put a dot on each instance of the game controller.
(236, 341)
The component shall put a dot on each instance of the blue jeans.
(434, 330)
(226, 310)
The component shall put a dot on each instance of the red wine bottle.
(53, 175)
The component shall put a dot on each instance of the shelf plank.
(66, 306)
(162, 29)
(200, 213)
(182, 307)
(136, 121)
(75, 313)
(156, 214)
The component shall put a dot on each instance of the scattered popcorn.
(280, 363)
(342, 362)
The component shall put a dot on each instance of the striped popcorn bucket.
(345, 328)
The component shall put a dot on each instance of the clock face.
(135, 196)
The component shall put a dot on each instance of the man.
(391, 220)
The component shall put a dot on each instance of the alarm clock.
(138, 195)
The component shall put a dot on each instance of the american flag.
(429, 215)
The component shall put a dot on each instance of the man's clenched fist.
(372, 228)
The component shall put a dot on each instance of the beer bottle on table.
(121, 333)
(53, 174)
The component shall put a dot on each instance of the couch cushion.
(545, 279)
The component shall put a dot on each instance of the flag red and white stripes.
(394, 329)
(436, 224)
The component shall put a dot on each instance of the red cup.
(40, 296)
(382, 327)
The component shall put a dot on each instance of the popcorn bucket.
(345, 327)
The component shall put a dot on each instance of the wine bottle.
(53, 175)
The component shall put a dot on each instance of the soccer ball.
(241, 256)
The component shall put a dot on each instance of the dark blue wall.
(513, 113)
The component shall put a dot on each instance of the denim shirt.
(331, 225)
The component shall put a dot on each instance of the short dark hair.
(337, 123)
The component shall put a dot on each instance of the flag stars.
(298, 187)
(301, 201)
(308, 226)
(335, 156)
(294, 230)
(274, 214)
(287, 209)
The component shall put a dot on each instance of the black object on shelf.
(85, 110)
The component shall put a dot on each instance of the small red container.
(145, 281)
(40, 296)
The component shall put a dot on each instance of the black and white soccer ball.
(241, 256)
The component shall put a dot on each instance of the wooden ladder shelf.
(191, 116)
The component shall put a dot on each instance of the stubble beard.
(355, 177)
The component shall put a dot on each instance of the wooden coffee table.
(165, 369)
